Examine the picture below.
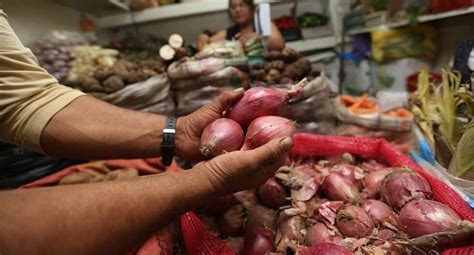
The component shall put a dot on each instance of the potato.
(113, 83)
(275, 64)
(90, 84)
(122, 174)
(75, 178)
(102, 74)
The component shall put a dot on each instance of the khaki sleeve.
(29, 96)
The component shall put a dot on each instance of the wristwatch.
(168, 144)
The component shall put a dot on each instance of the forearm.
(101, 218)
(275, 43)
(91, 129)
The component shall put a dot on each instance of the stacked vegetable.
(338, 205)
(285, 67)
(364, 105)
(105, 80)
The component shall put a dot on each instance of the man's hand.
(189, 128)
(240, 170)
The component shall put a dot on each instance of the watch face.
(470, 61)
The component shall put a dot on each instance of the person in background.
(241, 13)
(38, 113)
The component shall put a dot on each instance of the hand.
(243, 38)
(241, 170)
(189, 128)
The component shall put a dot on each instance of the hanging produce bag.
(229, 76)
(187, 68)
(190, 101)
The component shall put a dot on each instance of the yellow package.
(393, 44)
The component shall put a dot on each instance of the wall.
(190, 27)
(32, 19)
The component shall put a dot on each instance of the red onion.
(222, 135)
(232, 221)
(260, 216)
(236, 244)
(380, 212)
(422, 217)
(291, 227)
(373, 181)
(260, 101)
(353, 221)
(258, 242)
(320, 233)
(384, 234)
(247, 198)
(338, 187)
(352, 172)
(272, 194)
(401, 186)
(264, 129)
(324, 249)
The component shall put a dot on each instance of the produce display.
(54, 52)
(87, 59)
(122, 73)
(340, 204)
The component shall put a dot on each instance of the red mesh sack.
(198, 241)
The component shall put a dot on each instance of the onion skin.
(380, 212)
(257, 102)
(319, 233)
(232, 221)
(272, 194)
(290, 227)
(264, 129)
(384, 234)
(220, 204)
(401, 186)
(422, 217)
(247, 198)
(258, 242)
(261, 217)
(222, 135)
(373, 182)
(324, 249)
(353, 221)
(338, 187)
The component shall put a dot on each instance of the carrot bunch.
(363, 105)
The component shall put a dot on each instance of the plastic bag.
(189, 102)
(374, 120)
(221, 49)
(166, 107)
(229, 76)
(142, 94)
(314, 108)
(187, 68)
(389, 100)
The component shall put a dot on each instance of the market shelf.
(313, 44)
(166, 12)
(421, 19)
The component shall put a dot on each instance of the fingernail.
(238, 91)
(287, 142)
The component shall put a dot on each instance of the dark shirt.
(232, 31)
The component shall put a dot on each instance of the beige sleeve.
(29, 96)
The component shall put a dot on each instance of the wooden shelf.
(421, 19)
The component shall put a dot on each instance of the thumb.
(272, 152)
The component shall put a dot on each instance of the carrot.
(347, 100)
(359, 102)
(365, 110)
(402, 112)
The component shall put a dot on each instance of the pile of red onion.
(345, 205)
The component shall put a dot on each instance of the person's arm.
(219, 36)
(276, 41)
(91, 129)
(115, 217)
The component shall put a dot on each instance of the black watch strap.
(167, 144)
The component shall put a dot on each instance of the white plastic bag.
(142, 94)
(187, 68)
(229, 76)
(192, 100)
